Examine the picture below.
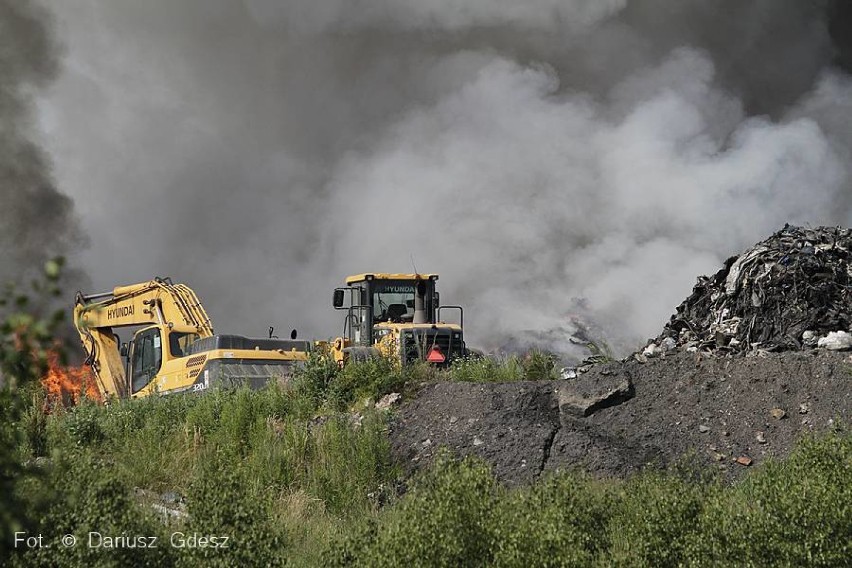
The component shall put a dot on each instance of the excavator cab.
(146, 352)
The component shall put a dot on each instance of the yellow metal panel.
(388, 276)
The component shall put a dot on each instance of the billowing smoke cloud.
(36, 220)
(551, 159)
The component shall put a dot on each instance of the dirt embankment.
(736, 376)
(622, 417)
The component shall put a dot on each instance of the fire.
(67, 385)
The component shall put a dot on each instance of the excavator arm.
(156, 302)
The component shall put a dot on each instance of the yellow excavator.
(174, 348)
(396, 316)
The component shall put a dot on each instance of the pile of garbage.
(790, 291)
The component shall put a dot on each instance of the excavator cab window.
(146, 358)
(179, 342)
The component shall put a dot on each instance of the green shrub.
(656, 518)
(371, 379)
(486, 369)
(561, 521)
(312, 381)
(796, 512)
(79, 494)
(444, 521)
(83, 423)
(222, 504)
(26, 340)
(34, 422)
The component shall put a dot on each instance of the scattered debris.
(810, 338)
(804, 408)
(652, 350)
(778, 413)
(786, 292)
(568, 373)
(388, 401)
(744, 460)
(477, 441)
(703, 429)
(761, 439)
(170, 505)
(836, 341)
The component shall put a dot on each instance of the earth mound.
(687, 395)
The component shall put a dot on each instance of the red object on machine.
(435, 355)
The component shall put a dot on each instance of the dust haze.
(555, 161)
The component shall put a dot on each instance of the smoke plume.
(555, 161)
(36, 219)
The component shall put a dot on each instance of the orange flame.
(67, 385)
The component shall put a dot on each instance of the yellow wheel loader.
(174, 348)
(396, 316)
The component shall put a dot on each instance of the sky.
(560, 163)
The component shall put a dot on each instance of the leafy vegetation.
(791, 513)
(301, 473)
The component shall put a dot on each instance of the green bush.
(222, 504)
(26, 340)
(561, 521)
(311, 382)
(83, 423)
(34, 421)
(80, 494)
(368, 379)
(656, 518)
(444, 521)
(796, 512)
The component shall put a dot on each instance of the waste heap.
(790, 291)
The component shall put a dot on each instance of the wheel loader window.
(146, 359)
(390, 302)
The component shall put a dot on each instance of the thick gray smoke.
(36, 220)
(552, 160)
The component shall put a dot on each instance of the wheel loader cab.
(385, 298)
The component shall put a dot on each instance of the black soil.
(684, 406)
